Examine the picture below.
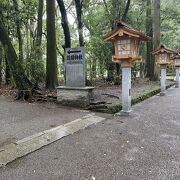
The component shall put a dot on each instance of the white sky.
(70, 19)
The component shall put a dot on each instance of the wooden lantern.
(163, 55)
(126, 41)
(176, 59)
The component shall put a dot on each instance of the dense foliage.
(88, 21)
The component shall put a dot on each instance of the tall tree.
(157, 24)
(157, 32)
(7, 71)
(78, 4)
(149, 32)
(126, 10)
(51, 63)
(64, 23)
(38, 53)
(18, 27)
(16, 68)
(1, 60)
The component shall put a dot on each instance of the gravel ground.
(143, 146)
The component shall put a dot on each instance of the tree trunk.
(94, 70)
(38, 52)
(7, 72)
(18, 27)
(78, 4)
(16, 68)
(110, 71)
(51, 64)
(1, 60)
(126, 10)
(149, 32)
(157, 24)
(64, 23)
(157, 32)
(142, 70)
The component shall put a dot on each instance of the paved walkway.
(144, 146)
(18, 149)
(21, 119)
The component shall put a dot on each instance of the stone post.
(177, 77)
(163, 81)
(126, 91)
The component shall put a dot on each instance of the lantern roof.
(162, 48)
(124, 29)
(176, 56)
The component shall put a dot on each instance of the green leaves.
(170, 23)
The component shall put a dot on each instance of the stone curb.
(16, 150)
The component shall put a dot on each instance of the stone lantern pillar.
(126, 41)
(163, 55)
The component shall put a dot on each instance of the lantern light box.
(176, 59)
(177, 62)
(163, 55)
(126, 41)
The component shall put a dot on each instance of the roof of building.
(123, 28)
(176, 56)
(163, 48)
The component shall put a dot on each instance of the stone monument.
(75, 92)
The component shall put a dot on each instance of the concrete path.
(144, 146)
(13, 151)
(21, 119)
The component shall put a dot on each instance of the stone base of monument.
(75, 96)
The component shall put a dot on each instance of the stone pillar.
(126, 91)
(163, 81)
(177, 77)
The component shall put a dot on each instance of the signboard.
(75, 67)
(74, 56)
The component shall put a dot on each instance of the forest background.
(35, 33)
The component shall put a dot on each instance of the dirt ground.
(108, 93)
(104, 91)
